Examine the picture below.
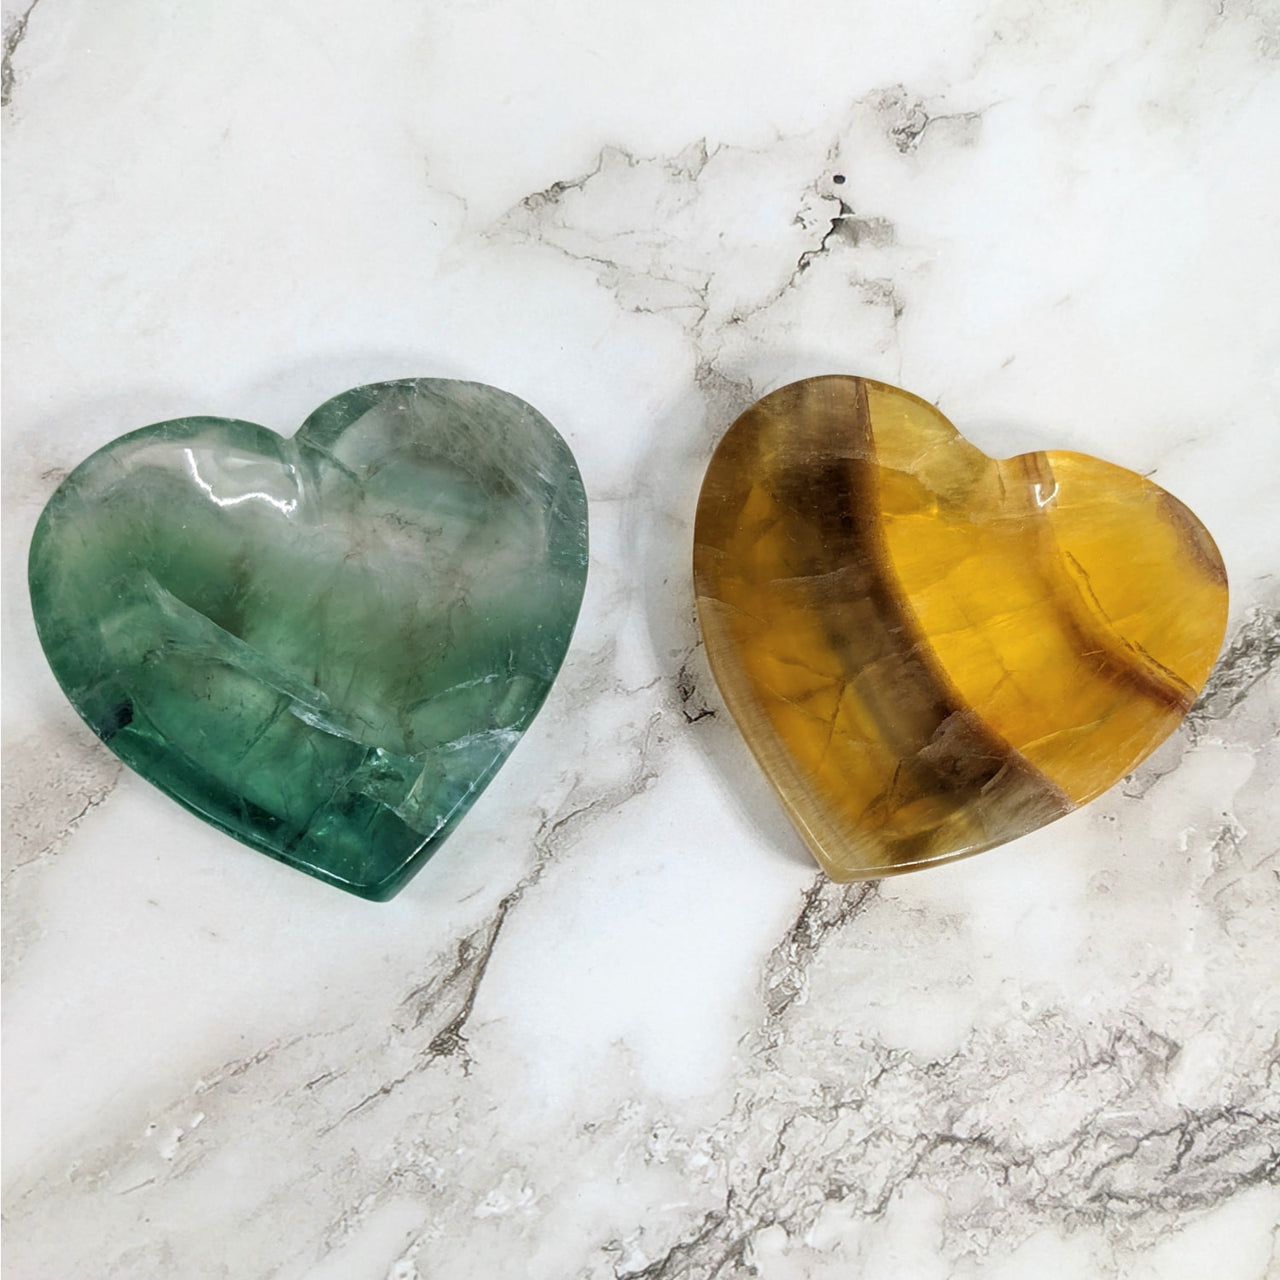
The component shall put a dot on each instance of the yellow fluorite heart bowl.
(931, 651)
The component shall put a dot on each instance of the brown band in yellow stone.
(931, 651)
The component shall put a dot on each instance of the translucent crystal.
(931, 651)
(325, 645)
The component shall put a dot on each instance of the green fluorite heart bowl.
(325, 646)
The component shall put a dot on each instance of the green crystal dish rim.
(502, 490)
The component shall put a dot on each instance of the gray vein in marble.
(1250, 657)
(855, 1146)
(907, 120)
(828, 908)
(540, 217)
(848, 228)
(1262, 15)
(681, 271)
(15, 32)
(692, 705)
(51, 784)
(49, 789)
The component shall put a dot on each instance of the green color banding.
(327, 645)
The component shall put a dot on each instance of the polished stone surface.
(931, 651)
(326, 645)
(621, 1024)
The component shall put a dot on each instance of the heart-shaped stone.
(931, 651)
(325, 646)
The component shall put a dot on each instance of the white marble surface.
(619, 1028)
